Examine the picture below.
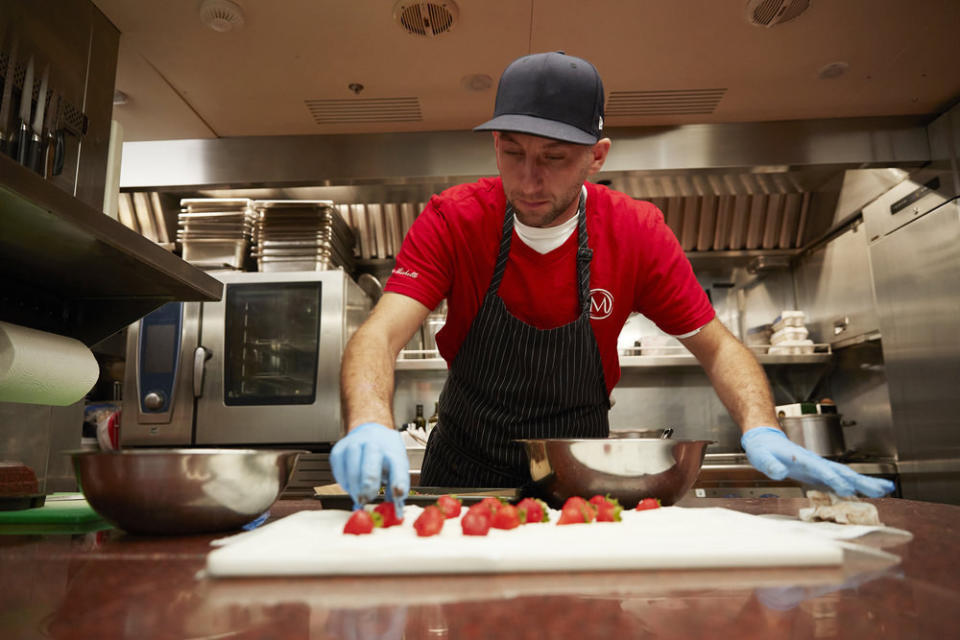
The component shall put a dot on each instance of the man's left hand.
(770, 451)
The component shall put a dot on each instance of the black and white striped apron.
(511, 380)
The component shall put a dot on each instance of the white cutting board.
(312, 543)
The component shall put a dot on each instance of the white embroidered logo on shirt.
(601, 304)
(403, 272)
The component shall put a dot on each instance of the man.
(518, 259)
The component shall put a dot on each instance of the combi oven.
(260, 366)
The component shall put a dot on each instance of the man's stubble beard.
(545, 220)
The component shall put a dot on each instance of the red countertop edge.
(112, 585)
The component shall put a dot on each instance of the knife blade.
(26, 101)
(36, 141)
(5, 133)
(59, 140)
(49, 139)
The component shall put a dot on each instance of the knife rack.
(78, 45)
(73, 120)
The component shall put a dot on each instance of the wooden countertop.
(111, 585)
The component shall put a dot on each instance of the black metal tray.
(424, 496)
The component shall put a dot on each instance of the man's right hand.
(369, 456)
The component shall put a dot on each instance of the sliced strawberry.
(430, 522)
(360, 522)
(576, 510)
(475, 522)
(506, 517)
(532, 510)
(388, 513)
(648, 503)
(449, 505)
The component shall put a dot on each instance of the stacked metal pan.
(301, 235)
(215, 232)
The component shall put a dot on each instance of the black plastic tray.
(424, 496)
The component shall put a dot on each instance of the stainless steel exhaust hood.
(734, 189)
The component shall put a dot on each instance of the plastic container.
(792, 348)
(789, 318)
(759, 335)
(789, 334)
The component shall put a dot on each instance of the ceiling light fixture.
(426, 18)
(770, 13)
(221, 15)
(833, 70)
(476, 82)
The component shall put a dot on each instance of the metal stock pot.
(819, 433)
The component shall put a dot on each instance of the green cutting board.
(55, 516)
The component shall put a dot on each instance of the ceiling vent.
(221, 15)
(365, 110)
(663, 103)
(426, 18)
(769, 13)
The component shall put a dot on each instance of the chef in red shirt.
(540, 270)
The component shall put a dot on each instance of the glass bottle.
(420, 421)
(432, 420)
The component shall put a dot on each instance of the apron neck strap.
(584, 253)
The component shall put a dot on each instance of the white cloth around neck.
(546, 239)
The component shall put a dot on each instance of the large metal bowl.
(628, 469)
(182, 491)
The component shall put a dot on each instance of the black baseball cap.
(551, 95)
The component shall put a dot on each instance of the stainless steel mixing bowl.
(182, 491)
(628, 469)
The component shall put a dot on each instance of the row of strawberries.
(492, 512)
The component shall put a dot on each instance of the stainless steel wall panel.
(834, 287)
(917, 273)
(922, 191)
(857, 382)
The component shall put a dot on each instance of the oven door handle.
(200, 357)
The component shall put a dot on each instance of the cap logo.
(599, 123)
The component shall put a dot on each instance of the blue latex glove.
(770, 451)
(369, 456)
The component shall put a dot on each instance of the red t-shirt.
(637, 265)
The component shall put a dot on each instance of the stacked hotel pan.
(215, 232)
(301, 235)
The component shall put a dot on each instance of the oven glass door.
(271, 343)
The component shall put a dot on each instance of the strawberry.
(576, 510)
(648, 503)
(430, 522)
(449, 505)
(506, 517)
(388, 513)
(608, 509)
(532, 510)
(361, 521)
(492, 504)
(475, 522)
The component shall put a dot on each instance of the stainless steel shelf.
(69, 269)
(421, 364)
